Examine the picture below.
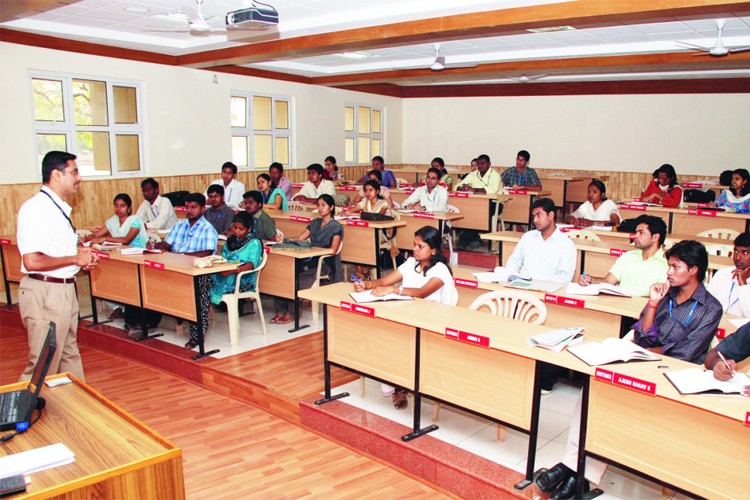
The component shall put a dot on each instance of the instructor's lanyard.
(690, 314)
(60, 209)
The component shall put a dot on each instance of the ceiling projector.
(252, 17)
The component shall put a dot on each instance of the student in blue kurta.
(244, 247)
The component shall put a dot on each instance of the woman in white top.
(598, 210)
(425, 275)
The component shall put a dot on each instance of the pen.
(725, 362)
(354, 277)
(584, 277)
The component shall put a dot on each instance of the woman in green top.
(273, 196)
(447, 178)
(244, 247)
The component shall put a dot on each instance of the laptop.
(16, 406)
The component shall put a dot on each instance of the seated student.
(446, 179)
(544, 254)
(273, 196)
(523, 176)
(737, 197)
(276, 171)
(425, 275)
(598, 210)
(156, 212)
(373, 203)
(483, 180)
(679, 320)
(385, 193)
(325, 232)
(331, 170)
(264, 227)
(431, 197)
(731, 285)
(195, 236)
(233, 189)
(638, 269)
(735, 348)
(315, 185)
(241, 246)
(666, 192)
(218, 213)
(387, 178)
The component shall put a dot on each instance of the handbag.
(374, 216)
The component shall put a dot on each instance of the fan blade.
(465, 65)
(193, 15)
(739, 49)
(693, 46)
(162, 30)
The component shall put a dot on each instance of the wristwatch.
(400, 290)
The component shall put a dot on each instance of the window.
(97, 119)
(261, 130)
(363, 127)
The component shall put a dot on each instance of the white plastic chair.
(719, 233)
(448, 236)
(232, 302)
(583, 234)
(318, 277)
(296, 206)
(510, 304)
(279, 232)
(400, 181)
(153, 237)
(720, 250)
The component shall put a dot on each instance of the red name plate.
(348, 188)
(747, 418)
(4, 242)
(703, 205)
(518, 191)
(267, 249)
(404, 186)
(569, 229)
(466, 283)
(635, 383)
(358, 223)
(564, 301)
(424, 215)
(101, 255)
(616, 252)
(356, 308)
(297, 184)
(469, 338)
(297, 218)
(637, 198)
(458, 195)
(155, 265)
(409, 190)
(627, 206)
(692, 185)
(721, 333)
(605, 375)
(179, 209)
(632, 236)
(705, 213)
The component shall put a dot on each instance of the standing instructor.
(50, 258)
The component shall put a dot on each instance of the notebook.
(16, 406)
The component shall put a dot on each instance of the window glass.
(349, 119)
(48, 100)
(262, 150)
(364, 120)
(90, 103)
(239, 151)
(239, 111)
(363, 146)
(375, 121)
(50, 142)
(262, 119)
(126, 105)
(282, 115)
(128, 152)
(94, 153)
(282, 150)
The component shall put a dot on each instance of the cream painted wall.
(698, 134)
(186, 114)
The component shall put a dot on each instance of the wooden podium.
(116, 456)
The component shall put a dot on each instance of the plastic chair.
(318, 277)
(510, 304)
(720, 250)
(232, 302)
(153, 237)
(669, 243)
(583, 234)
(401, 181)
(498, 216)
(296, 206)
(721, 234)
(448, 236)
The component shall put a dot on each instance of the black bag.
(374, 216)
(699, 196)
(627, 226)
(725, 179)
(133, 316)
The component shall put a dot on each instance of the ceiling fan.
(439, 64)
(255, 16)
(196, 22)
(718, 49)
(525, 78)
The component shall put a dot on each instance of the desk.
(499, 382)
(10, 258)
(417, 220)
(565, 189)
(476, 209)
(696, 443)
(361, 238)
(416, 174)
(517, 210)
(689, 220)
(116, 456)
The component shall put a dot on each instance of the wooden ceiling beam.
(580, 14)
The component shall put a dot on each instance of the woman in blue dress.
(122, 227)
(242, 247)
(273, 196)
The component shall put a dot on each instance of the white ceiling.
(110, 22)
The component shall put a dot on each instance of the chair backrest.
(719, 233)
(512, 304)
(583, 234)
(401, 181)
(153, 237)
(719, 249)
(669, 243)
(452, 209)
(263, 260)
(279, 232)
(296, 206)
(453, 299)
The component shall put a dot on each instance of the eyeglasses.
(432, 178)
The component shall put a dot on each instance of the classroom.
(616, 113)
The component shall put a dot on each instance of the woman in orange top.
(664, 190)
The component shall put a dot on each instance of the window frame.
(248, 132)
(69, 129)
(356, 136)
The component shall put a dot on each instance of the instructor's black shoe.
(567, 489)
(550, 479)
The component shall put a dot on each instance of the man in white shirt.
(233, 189)
(50, 259)
(315, 185)
(431, 197)
(731, 285)
(545, 254)
(155, 211)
